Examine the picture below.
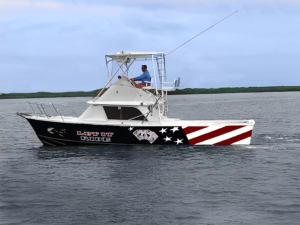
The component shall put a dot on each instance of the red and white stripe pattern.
(218, 135)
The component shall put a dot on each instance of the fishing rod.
(202, 32)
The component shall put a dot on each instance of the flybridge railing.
(167, 86)
(41, 109)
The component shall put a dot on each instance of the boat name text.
(95, 136)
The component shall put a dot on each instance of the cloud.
(70, 29)
(53, 5)
(180, 2)
(177, 3)
(14, 3)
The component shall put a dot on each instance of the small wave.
(268, 137)
(283, 138)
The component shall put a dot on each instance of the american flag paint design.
(218, 135)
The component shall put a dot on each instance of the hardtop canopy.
(131, 55)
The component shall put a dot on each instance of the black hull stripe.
(84, 143)
(74, 134)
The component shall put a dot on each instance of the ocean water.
(212, 185)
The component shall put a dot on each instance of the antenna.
(201, 32)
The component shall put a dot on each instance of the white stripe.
(203, 131)
(243, 142)
(184, 127)
(56, 141)
(226, 136)
(48, 143)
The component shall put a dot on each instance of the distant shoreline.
(185, 91)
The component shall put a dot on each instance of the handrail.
(46, 103)
(42, 104)
(32, 109)
(151, 110)
(143, 114)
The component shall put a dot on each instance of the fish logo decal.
(50, 130)
(60, 132)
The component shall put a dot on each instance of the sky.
(60, 45)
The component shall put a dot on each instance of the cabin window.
(123, 113)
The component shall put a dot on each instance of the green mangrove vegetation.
(177, 92)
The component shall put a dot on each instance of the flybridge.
(124, 61)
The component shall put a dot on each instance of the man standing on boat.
(145, 76)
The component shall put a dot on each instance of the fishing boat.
(123, 114)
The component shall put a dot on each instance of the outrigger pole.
(201, 32)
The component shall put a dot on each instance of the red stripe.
(235, 139)
(189, 130)
(213, 134)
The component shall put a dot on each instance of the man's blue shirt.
(144, 76)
